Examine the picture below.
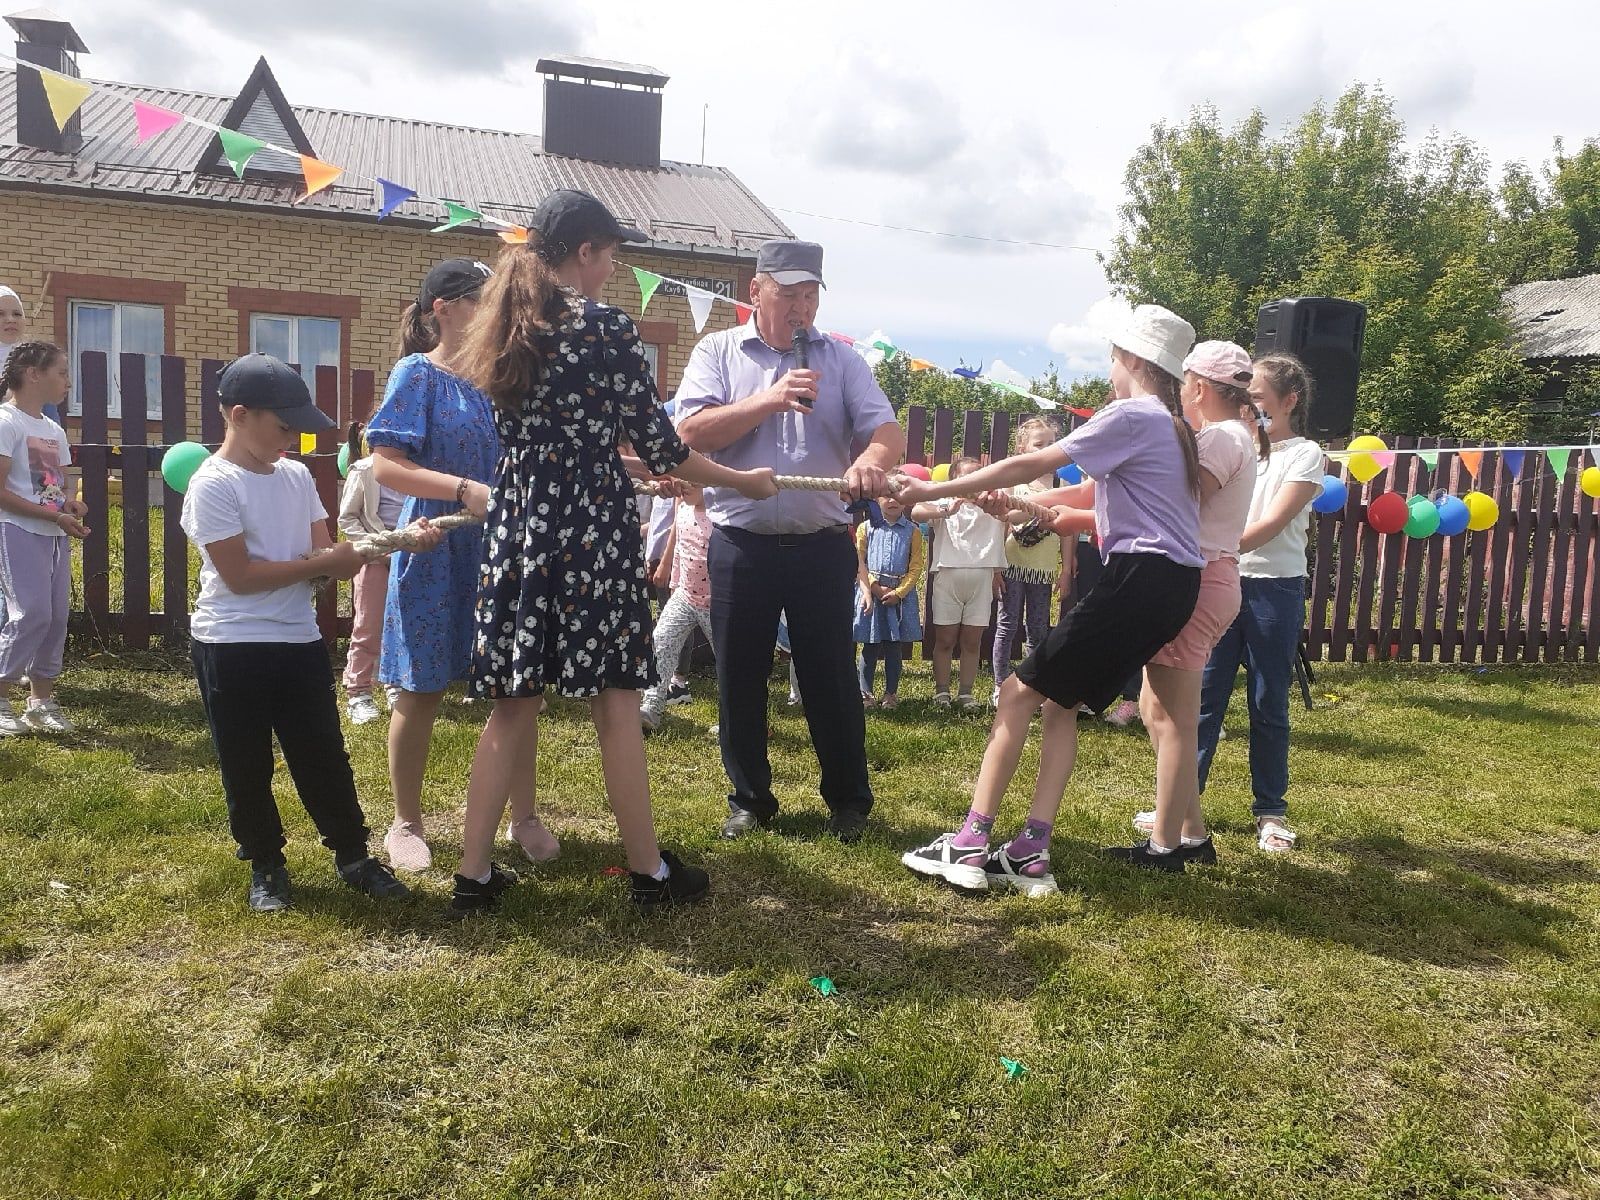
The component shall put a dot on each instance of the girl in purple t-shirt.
(1142, 456)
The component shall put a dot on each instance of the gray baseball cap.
(791, 262)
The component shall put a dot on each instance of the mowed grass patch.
(1409, 1005)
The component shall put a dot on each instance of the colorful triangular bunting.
(649, 281)
(1430, 458)
(239, 148)
(66, 95)
(920, 364)
(318, 174)
(742, 311)
(515, 236)
(1559, 459)
(151, 121)
(457, 214)
(391, 196)
(1472, 460)
(699, 305)
(1513, 461)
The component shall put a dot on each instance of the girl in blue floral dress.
(563, 600)
(433, 440)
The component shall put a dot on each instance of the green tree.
(1550, 222)
(1219, 221)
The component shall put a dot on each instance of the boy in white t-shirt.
(969, 554)
(258, 655)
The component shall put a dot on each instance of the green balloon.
(1424, 519)
(344, 460)
(180, 462)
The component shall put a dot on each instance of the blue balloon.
(1333, 495)
(1453, 516)
(1070, 474)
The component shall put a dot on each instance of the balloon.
(1388, 513)
(1589, 481)
(916, 471)
(1422, 519)
(941, 473)
(1070, 474)
(1481, 510)
(1453, 516)
(1364, 467)
(1367, 443)
(180, 462)
(344, 460)
(1334, 494)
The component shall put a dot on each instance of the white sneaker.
(406, 849)
(46, 716)
(361, 708)
(10, 724)
(392, 694)
(1145, 822)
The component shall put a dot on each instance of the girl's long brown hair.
(1168, 388)
(23, 356)
(520, 316)
(1287, 375)
(1237, 396)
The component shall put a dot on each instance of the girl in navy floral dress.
(562, 599)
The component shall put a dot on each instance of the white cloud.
(1002, 372)
(1083, 343)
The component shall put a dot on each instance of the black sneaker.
(1204, 853)
(941, 859)
(683, 885)
(372, 878)
(1029, 874)
(678, 693)
(471, 896)
(847, 826)
(1140, 855)
(269, 889)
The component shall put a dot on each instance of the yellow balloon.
(1363, 466)
(1482, 511)
(1367, 442)
(1589, 481)
(941, 473)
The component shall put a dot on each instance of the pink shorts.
(1214, 612)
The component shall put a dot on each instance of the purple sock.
(1034, 839)
(974, 831)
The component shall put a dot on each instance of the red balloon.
(916, 471)
(1388, 513)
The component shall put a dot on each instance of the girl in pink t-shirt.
(1230, 440)
(690, 603)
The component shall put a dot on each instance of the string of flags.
(1367, 456)
(67, 95)
(875, 348)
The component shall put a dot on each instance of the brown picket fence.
(1526, 590)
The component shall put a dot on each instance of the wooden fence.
(1527, 590)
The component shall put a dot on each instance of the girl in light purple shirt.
(1142, 456)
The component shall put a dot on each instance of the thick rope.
(376, 545)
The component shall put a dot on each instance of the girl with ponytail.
(1142, 456)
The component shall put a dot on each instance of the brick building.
(160, 248)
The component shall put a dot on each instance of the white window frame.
(152, 402)
(307, 372)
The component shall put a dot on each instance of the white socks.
(661, 872)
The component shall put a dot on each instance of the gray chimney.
(602, 111)
(45, 40)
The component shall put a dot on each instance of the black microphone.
(802, 358)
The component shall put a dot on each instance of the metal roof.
(572, 66)
(682, 207)
(1556, 318)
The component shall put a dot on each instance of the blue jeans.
(1264, 639)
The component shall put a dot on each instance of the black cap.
(451, 280)
(790, 262)
(568, 218)
(261, 381)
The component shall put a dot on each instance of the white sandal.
(1273, 836)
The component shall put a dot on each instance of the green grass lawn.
(1410, 1006)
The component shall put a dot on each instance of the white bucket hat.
(1156, 335)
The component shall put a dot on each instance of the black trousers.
(811, 577)
(251, 690)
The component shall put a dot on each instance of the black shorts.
(1139, 604)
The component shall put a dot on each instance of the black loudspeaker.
(1326, 335)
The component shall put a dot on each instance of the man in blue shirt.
(745, 402)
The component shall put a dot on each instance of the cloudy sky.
(1009, 120)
